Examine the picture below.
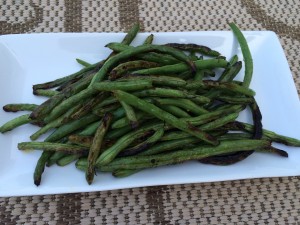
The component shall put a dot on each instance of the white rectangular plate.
(34, 58)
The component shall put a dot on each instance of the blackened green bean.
(50, 146)
(234, 100)
(82, 140)
(144, 145)
(97, 147)
(182, 67)
(19, 107)
(195, 48)
(158, 80)
(126, 67)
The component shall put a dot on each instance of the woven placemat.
(255, 201)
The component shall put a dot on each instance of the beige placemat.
(256, 201)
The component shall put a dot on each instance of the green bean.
(131, 34)
(50, 146)
(81, 140)
(97, 147)
(110, 108)
(233, 60)
(149, 39)
(170, 145)
(199, 75)
(105, 102)
(182, 103)
(40, 167)
(46, 93)
(109, 154)
(100, 75)
(87, 106)
(117, 133)
(176, 111)
(272, 135)
(90, 129)
(182, 67)
(124, 173)
(62, 80)
(235, 100)
(246, 54)
(224, 86)
(142, 162)
(219, 122)
(170, 93)
(175, 135)
(83, 63)
(16, 122)
(194, 48)
(132, 85)
(19, 107)
(202, 119)
(68, 128)
(125, 67)
(81, 164)
(231, 72)
(164, 116)
(55, 157)
(68, 159)
(124, 121)
(158, 80)
(234, 136)
(144, 145)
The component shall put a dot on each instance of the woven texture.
(255, 201)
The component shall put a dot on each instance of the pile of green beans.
(147, 106)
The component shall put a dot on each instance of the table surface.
(252, 201)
